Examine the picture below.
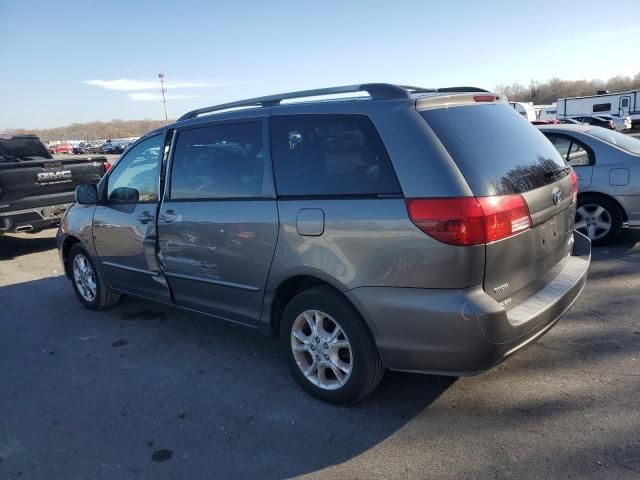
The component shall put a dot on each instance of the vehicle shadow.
(142, 379)
(16, 245)
(623, 246)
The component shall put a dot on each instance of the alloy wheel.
(84, 277)
(321, 350)
(593, 220)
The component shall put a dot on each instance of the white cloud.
(152, 97)
(128, 85)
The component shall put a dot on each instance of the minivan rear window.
(497, 150)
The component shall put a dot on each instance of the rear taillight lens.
(505, 215)
(611, 125)
(456, 221)
(467, 221)
(574, 185)
(107, 166)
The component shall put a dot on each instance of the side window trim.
(264, 124)
(165, 163)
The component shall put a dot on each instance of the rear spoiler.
(458, 99)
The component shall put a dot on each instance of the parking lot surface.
(145, 391)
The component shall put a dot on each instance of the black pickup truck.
(35, 189)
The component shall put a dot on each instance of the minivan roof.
(375, 91)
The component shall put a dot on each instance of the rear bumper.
(32, 219)
(465, 332)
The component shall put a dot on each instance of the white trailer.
(525, 109)
(548, 112)
(624, 104)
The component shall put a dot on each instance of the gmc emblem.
(54, 176)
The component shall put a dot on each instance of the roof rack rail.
(377, 91)
(461, 89)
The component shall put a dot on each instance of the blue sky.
(76, 61)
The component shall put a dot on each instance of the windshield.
(625, 142)
(21, 148)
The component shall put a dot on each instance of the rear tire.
(599, 218)
(329, 349)
(89, 282)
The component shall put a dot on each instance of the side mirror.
(86, 194)
(124, 195)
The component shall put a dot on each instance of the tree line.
(96, 130)
(545, 93)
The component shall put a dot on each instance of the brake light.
(484, 98)
(107, 166)
(465, 221)
(611, 125)
(574, 185)
(505, 216)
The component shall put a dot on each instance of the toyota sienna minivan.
(388, 227)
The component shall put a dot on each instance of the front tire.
(88, 282)
(599, 218)
(329, 349)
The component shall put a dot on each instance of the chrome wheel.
(321, 350)
(84, 277)
(593, 220)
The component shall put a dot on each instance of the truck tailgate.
(36, 183)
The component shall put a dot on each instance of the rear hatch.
(30, 178)
(501, 154)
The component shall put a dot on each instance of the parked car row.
(610, 122)
(116, 146)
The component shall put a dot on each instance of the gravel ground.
(143, 391)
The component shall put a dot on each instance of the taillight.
(611, 125)
(574, 185)
(505, 215)
(107, 166)
(467, 221)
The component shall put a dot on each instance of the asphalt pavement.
(144, 391)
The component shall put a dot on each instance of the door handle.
(168, 216)
(146, 217)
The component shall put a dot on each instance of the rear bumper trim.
(36, 217)
(553, 292)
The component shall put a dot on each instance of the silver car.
(422, 230)
(608, 168)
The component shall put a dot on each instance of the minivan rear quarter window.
(497, 151)
(336, 155)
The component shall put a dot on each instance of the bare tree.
(548, 92)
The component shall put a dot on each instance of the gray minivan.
(422, 230)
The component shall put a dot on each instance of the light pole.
(164, 98)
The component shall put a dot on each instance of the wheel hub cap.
(593, 220)
(321, 349)
(84, 277)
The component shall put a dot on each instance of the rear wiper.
(555, 173)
